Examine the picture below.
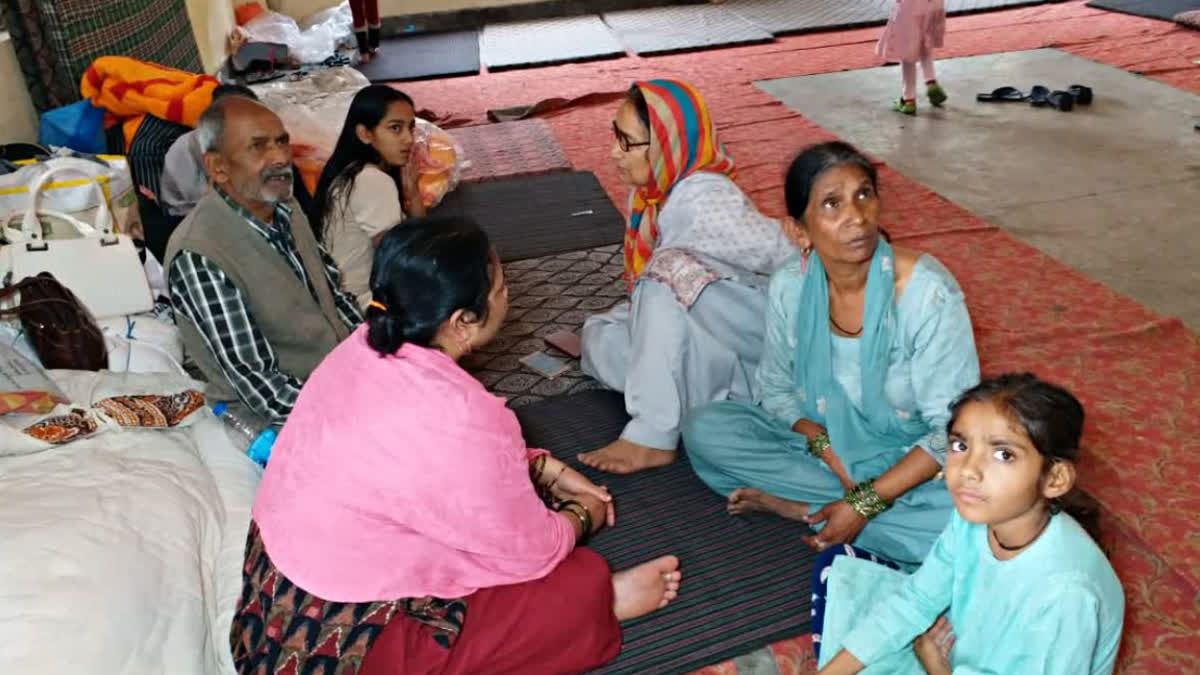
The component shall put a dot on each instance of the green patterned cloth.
(56, 40)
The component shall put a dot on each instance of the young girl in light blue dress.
(1015, 584)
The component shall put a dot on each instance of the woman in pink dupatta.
(402, 524)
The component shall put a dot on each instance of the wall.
(211, 22)
(18, 121)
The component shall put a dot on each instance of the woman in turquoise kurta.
(866, 345)
(1020, 585)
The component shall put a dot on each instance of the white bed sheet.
(122, 553)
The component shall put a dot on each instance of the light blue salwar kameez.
(879, 396)
(1055, 609)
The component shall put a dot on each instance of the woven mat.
(746, 578)
(545, 41)
(781, 17)
(521, 148)
(546, 295)
(533, 216)
(671, 29)
(424, 55)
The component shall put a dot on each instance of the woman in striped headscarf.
(698, 256)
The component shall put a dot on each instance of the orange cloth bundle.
(129, 89)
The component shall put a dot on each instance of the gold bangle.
(536, 467)
(818, 445)
(865, 500)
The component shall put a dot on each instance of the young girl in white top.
(369, 184)
(1014, 584)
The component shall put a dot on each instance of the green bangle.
(817, 445)
(865, 500)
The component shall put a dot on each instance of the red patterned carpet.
(1137, 372)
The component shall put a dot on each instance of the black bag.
(61, 329)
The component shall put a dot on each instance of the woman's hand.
(810, 430)
(566, 483)
(933, 647)
(599, 510)
(842, 525)
(410, 175)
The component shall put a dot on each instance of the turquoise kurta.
(933, 360)
(1055, 609)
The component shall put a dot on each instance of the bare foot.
(622, 456)
(365, 57)
(640, 590)
(744, 500)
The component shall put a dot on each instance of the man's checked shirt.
(205, 295)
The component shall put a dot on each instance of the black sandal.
(1041, 97)
(1002, 95)
(1063, 100)
(1082, 94)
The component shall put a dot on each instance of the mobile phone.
(565, 342)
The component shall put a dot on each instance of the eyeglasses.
(623, 140)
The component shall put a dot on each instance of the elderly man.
(256, 298)
(184, 181)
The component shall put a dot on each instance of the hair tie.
(377, 305)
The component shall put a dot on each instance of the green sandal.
(937, 95)
(907, 107)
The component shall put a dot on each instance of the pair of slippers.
(1040, 97)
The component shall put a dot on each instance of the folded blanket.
(129, 89)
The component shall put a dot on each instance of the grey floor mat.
(526, 43)
(532, 216)
(424, 55)
(781, 17)
(1154, 9)
(746, 579)
(672, 29)
(796, 16)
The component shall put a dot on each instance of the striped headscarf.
(683, 132)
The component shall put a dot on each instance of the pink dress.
(402, 477)
(915, 27)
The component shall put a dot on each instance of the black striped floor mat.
(534, 216)
(746, 579)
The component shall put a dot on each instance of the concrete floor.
(1112, 190)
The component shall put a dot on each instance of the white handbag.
(100, 267)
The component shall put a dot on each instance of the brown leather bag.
(61, 329)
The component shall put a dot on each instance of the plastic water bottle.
(249, 432)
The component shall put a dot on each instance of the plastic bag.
(440, 160)
(313, 45)
(337, 19)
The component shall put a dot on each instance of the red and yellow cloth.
(686, 141)
(130, 89)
